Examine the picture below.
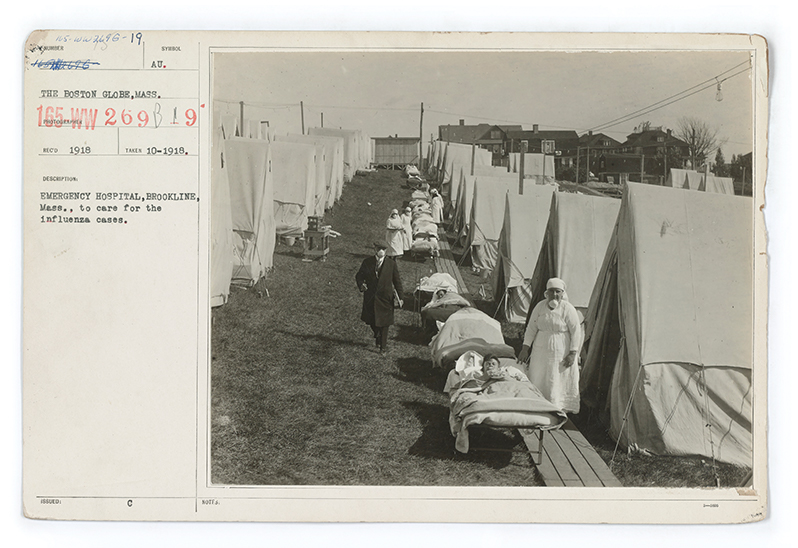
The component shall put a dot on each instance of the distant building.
(658, 150)
(655, 142)
(595, 144)
(391, 152)
(558, 142)
(487, 136)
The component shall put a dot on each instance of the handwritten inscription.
(60, 64)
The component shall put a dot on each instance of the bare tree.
(701, 139)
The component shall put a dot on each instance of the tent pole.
(626, 412)
(504, 299)
(241, 118)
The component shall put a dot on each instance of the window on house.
(495, 134)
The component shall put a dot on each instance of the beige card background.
(170, 473)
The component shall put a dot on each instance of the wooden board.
(569, 460)
(445, 263)
(576, 459)
(595, 461)
(546, 469)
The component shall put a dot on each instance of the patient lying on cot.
(493, 370)
(486, 391)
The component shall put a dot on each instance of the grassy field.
(299, 394)
(301, 397)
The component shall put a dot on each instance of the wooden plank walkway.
(445, 262)
(569, 460)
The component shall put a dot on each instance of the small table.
(317, 244)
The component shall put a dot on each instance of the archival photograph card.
(395, 277)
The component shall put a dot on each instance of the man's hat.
(380, 244)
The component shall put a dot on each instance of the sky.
(381, 93)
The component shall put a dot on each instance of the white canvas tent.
(294, 171)
(525, 220)
(354, 150)
(334, 150)
(247, 163)
(718, 185)
(492, 171)
(457, 158)
(573, 248)
(684, 178)
(461, 214)
(221, 225)
(487, 219)
(669, 349)
(230, 126)
(537, 166)
(323, 172)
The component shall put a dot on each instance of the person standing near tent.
(437, 207)
(395, 235)
(379, 281)
(407, 224)
(552, 340)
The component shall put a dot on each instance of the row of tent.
(450, 162)
(663, 279)
(264, 186)
(695, 180)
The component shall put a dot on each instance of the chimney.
(669, 133)
(590, 133)
(462, 121)
(534, 128)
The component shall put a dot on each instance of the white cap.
(555, 283)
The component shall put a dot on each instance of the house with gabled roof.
(488, 136)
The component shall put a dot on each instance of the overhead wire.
(676, 97)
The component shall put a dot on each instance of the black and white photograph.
(526, 267)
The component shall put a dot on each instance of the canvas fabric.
(248, 165)
(537, 166)
(525, 219)
(577, 234)
(355, 153)
(294, 172)
(673, 307)
(718, 185)
(221, 226)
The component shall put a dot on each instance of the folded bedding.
(436, 281)
(425, 243)
(468, 323)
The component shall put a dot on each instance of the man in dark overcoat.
(377, 279)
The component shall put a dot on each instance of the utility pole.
(322, 119)
(577, 165)
(642, 168)
(302, 115)
(420, 136)
(521, 168)
(587, 160)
